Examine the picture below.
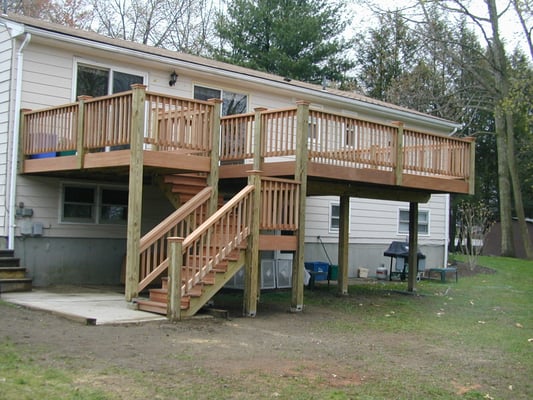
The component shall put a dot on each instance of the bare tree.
(178, 25)
(475, 222)
(497, 83)
(75, 13)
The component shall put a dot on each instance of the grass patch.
(21, 378)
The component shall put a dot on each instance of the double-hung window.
(423, 222)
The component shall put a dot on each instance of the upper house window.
(100, 81)
(232, 103)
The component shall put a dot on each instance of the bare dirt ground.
(276, 347)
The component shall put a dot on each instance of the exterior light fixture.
(173, 78)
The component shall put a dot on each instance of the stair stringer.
(221, 278)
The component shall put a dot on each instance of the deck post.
(300, 175)
(344, 229)
(22, 141)
(472, 172)
(251, 276)
(258, 138)
(413, 247)
(80, 139)
(175, 263)
(398, 169)
(135, 191)
(212, 179)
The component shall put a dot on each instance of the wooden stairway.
(12, 275)
(201, 292)
(214, 245)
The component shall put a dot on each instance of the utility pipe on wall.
(15, 144)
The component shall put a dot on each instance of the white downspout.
(15, 144)
(446, 230)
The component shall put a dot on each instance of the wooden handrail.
(279, 203)
(219, 235)
(153, 256)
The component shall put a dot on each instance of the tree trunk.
(504, 186)
(500, 72)
(517, 192)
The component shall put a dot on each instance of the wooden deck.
(269, 161)
(177, 136)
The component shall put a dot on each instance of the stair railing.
(153, 245)
(218, 236)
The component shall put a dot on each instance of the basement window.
(94, 204)
(423, 222)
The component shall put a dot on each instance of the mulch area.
(464, 270)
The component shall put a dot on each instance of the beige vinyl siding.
(5, 87)
(373, 221)
(47, 77)
(43, 196)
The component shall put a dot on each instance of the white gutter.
(15, 144)
(390, 113)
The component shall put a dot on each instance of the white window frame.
(331, 229)
(420, 212)
(96, 205)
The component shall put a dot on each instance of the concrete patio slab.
(92, 306)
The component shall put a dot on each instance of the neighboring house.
(81, 182)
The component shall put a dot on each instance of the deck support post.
(300, 175)
(398, 169)
(175, 263)
(251, 276)
(212, 179)
(413, 247)
(472, 172)
(258, 138)
(135, 192)
(344, 229)
(80, 148)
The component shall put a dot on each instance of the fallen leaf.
(472, 302)
(488, 396)
(510, 387)
(518, 325)
(481, 322)
(530, 340)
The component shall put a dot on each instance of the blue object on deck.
(43, 155)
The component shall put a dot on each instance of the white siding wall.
(5, 85)
(373, 226)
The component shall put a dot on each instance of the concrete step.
(9, 262)
(12, 272)
(15, 285)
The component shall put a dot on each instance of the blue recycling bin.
(318, 269)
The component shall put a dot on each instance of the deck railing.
(349, 142)
(50, 130)
(173, 123)
(105, 123)
(279, 204)
(216, 238)
(153, 245)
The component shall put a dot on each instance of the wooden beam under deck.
(353, 189)
(278, 242)
(171, 161)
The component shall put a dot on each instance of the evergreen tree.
(297, 39)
